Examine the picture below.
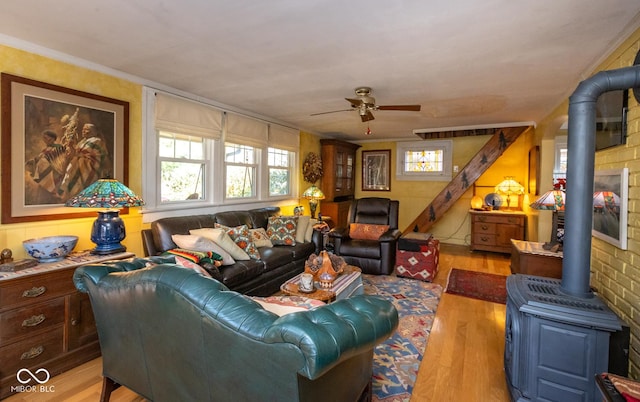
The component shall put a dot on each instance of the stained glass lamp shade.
(552, 200)
(313, 194)
(509, 187)
(108, 229)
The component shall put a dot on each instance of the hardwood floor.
(463, 360)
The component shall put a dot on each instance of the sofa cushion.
(274, 257)
(199, 243)
(241, 272)
(361, 248)
(260, 237)
(301, 229)
(366, 231)
(223, 240)
(242, 237)
(282, 230)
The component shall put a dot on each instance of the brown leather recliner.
(376, 257)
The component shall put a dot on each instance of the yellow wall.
(414, 196)
(616, 272)
(29, 65)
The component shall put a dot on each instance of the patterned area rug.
(397, 360)
(478, 285)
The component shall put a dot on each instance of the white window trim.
(215, 191)
(403, 146)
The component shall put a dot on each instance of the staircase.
(491, 151)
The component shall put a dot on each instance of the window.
(182, 167)
(560, 163)
(424, 160)
(197, 156)
(279, 163)
(240, 171)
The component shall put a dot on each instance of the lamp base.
(107, 233)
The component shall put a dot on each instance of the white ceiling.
(467, 62)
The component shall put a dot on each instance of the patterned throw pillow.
(242, 237)
(365, 231)
(260, 237)
(282, 230)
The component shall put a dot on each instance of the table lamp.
(509, 187)
(313, 194)
(108, 229)
(552, 200)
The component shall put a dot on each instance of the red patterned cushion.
(365, 231)
(242, 237)
(282, 230)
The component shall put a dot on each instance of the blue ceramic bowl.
(50, 249)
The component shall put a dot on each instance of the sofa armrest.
(390, 235)
(330, 334)
(148, 246)
(339, 233)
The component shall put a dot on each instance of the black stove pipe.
(576, 263)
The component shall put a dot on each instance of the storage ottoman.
(421, 260)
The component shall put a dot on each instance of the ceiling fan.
(365, 104)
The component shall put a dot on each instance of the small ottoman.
(421, 260)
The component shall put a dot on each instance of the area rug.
(397, 360)
(478, 285)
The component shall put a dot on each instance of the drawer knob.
(34, 291)
(33, 321)
(484, 238)
(32, 353)
(484, 227)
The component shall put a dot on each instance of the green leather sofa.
(171, 334)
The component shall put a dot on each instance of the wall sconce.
(313, 194)
(509, 187)
(108, 229)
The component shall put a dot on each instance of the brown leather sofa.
(253, 277)
(376, 257)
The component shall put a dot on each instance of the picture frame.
(610, 206)
(376, 170)
(55, 142)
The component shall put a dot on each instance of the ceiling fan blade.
(410, 108)
(355, 103)
(333, 111)
(367, 116)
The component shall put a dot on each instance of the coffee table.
(347, 284)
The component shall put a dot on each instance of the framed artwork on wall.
(56, 141)
(376, 170)
(610, 199)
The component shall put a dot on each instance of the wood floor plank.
(462, 362)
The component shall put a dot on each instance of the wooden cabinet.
(338, 180)
(338, 164)
(493, 230)
(530, 258)
(45, 323)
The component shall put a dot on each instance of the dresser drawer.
(484, 239)
(25, 321)
(484, 227)
(32, 352)
(509, 219)
(32, 289)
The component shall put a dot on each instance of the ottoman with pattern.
(417, 257)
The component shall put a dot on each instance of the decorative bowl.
(51, 248)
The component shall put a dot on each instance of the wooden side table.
(45, 323)
(530, 258)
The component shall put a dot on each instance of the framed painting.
(610, 199)
(56, 141)
(376, 170)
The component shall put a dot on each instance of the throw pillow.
(260, 237)
(301, 230)
(309, 232)
(365, 231)
(281, 305)
(199, 243)
(282, 230)
(220, 237)
(183, 262)
(242, 237)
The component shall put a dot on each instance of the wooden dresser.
(493, 230)
(45, 323)
(338, 180)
